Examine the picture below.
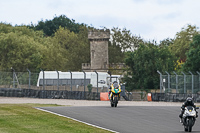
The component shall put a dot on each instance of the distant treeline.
(62, 44)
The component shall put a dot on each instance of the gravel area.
(68, 102)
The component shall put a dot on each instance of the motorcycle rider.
(188, 102)
(114, 84)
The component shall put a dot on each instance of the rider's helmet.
(189, 100)
(115, 84)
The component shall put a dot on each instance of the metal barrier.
(174, 97)
(184, 83)
(49, 94)
(28, 84)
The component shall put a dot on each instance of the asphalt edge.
(77, 120)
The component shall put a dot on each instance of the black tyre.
(185, 128)
(190, 129)
(190, 125)
(115, 101)
(112, 105)
(111, 102)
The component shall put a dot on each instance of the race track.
(128, 119)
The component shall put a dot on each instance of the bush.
(89, 86)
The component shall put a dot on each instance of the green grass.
(24, 118)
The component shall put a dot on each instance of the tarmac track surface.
(128, 119)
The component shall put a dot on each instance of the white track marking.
(77, 120)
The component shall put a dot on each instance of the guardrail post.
(176, 81)
(184, 82)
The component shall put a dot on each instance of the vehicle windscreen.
(189, 107)
(115, 85)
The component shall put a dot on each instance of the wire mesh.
(190, 84)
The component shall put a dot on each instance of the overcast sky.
(151, 19)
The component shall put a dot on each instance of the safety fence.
(69, 85)
(187, 83)
(28, 84)
(177, 87)
(69, 81)
(173, 87)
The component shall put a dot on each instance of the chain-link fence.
(183, 84)
(54, 84)
(177, 87)
(20, 80)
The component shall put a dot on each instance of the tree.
(143, 65)
(193, 55)
(5, 28)
(182, 41)
(115, 53)
(23, 48)
(121, 41)
(49, 27)
(20, 48)
(68, 50)
(125, 39)
(166, 42)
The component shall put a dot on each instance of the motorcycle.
(115, 95)
(189, 118)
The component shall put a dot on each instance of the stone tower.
(98, 50)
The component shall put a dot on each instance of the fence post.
(168, 81)
(13, 70)
(71, 80)
(58, 80)
(97, 82)
(176, 81)
(192, 82)
(84, 82)
(43, 83)
(160, 80)
(110, 80)
(29, 79)
(184, 82)
(199, 79)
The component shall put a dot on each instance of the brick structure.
(98, 51)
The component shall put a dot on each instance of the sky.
(150, 19)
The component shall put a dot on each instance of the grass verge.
(24, 118)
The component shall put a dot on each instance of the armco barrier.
(51, 94)
(174, 97)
